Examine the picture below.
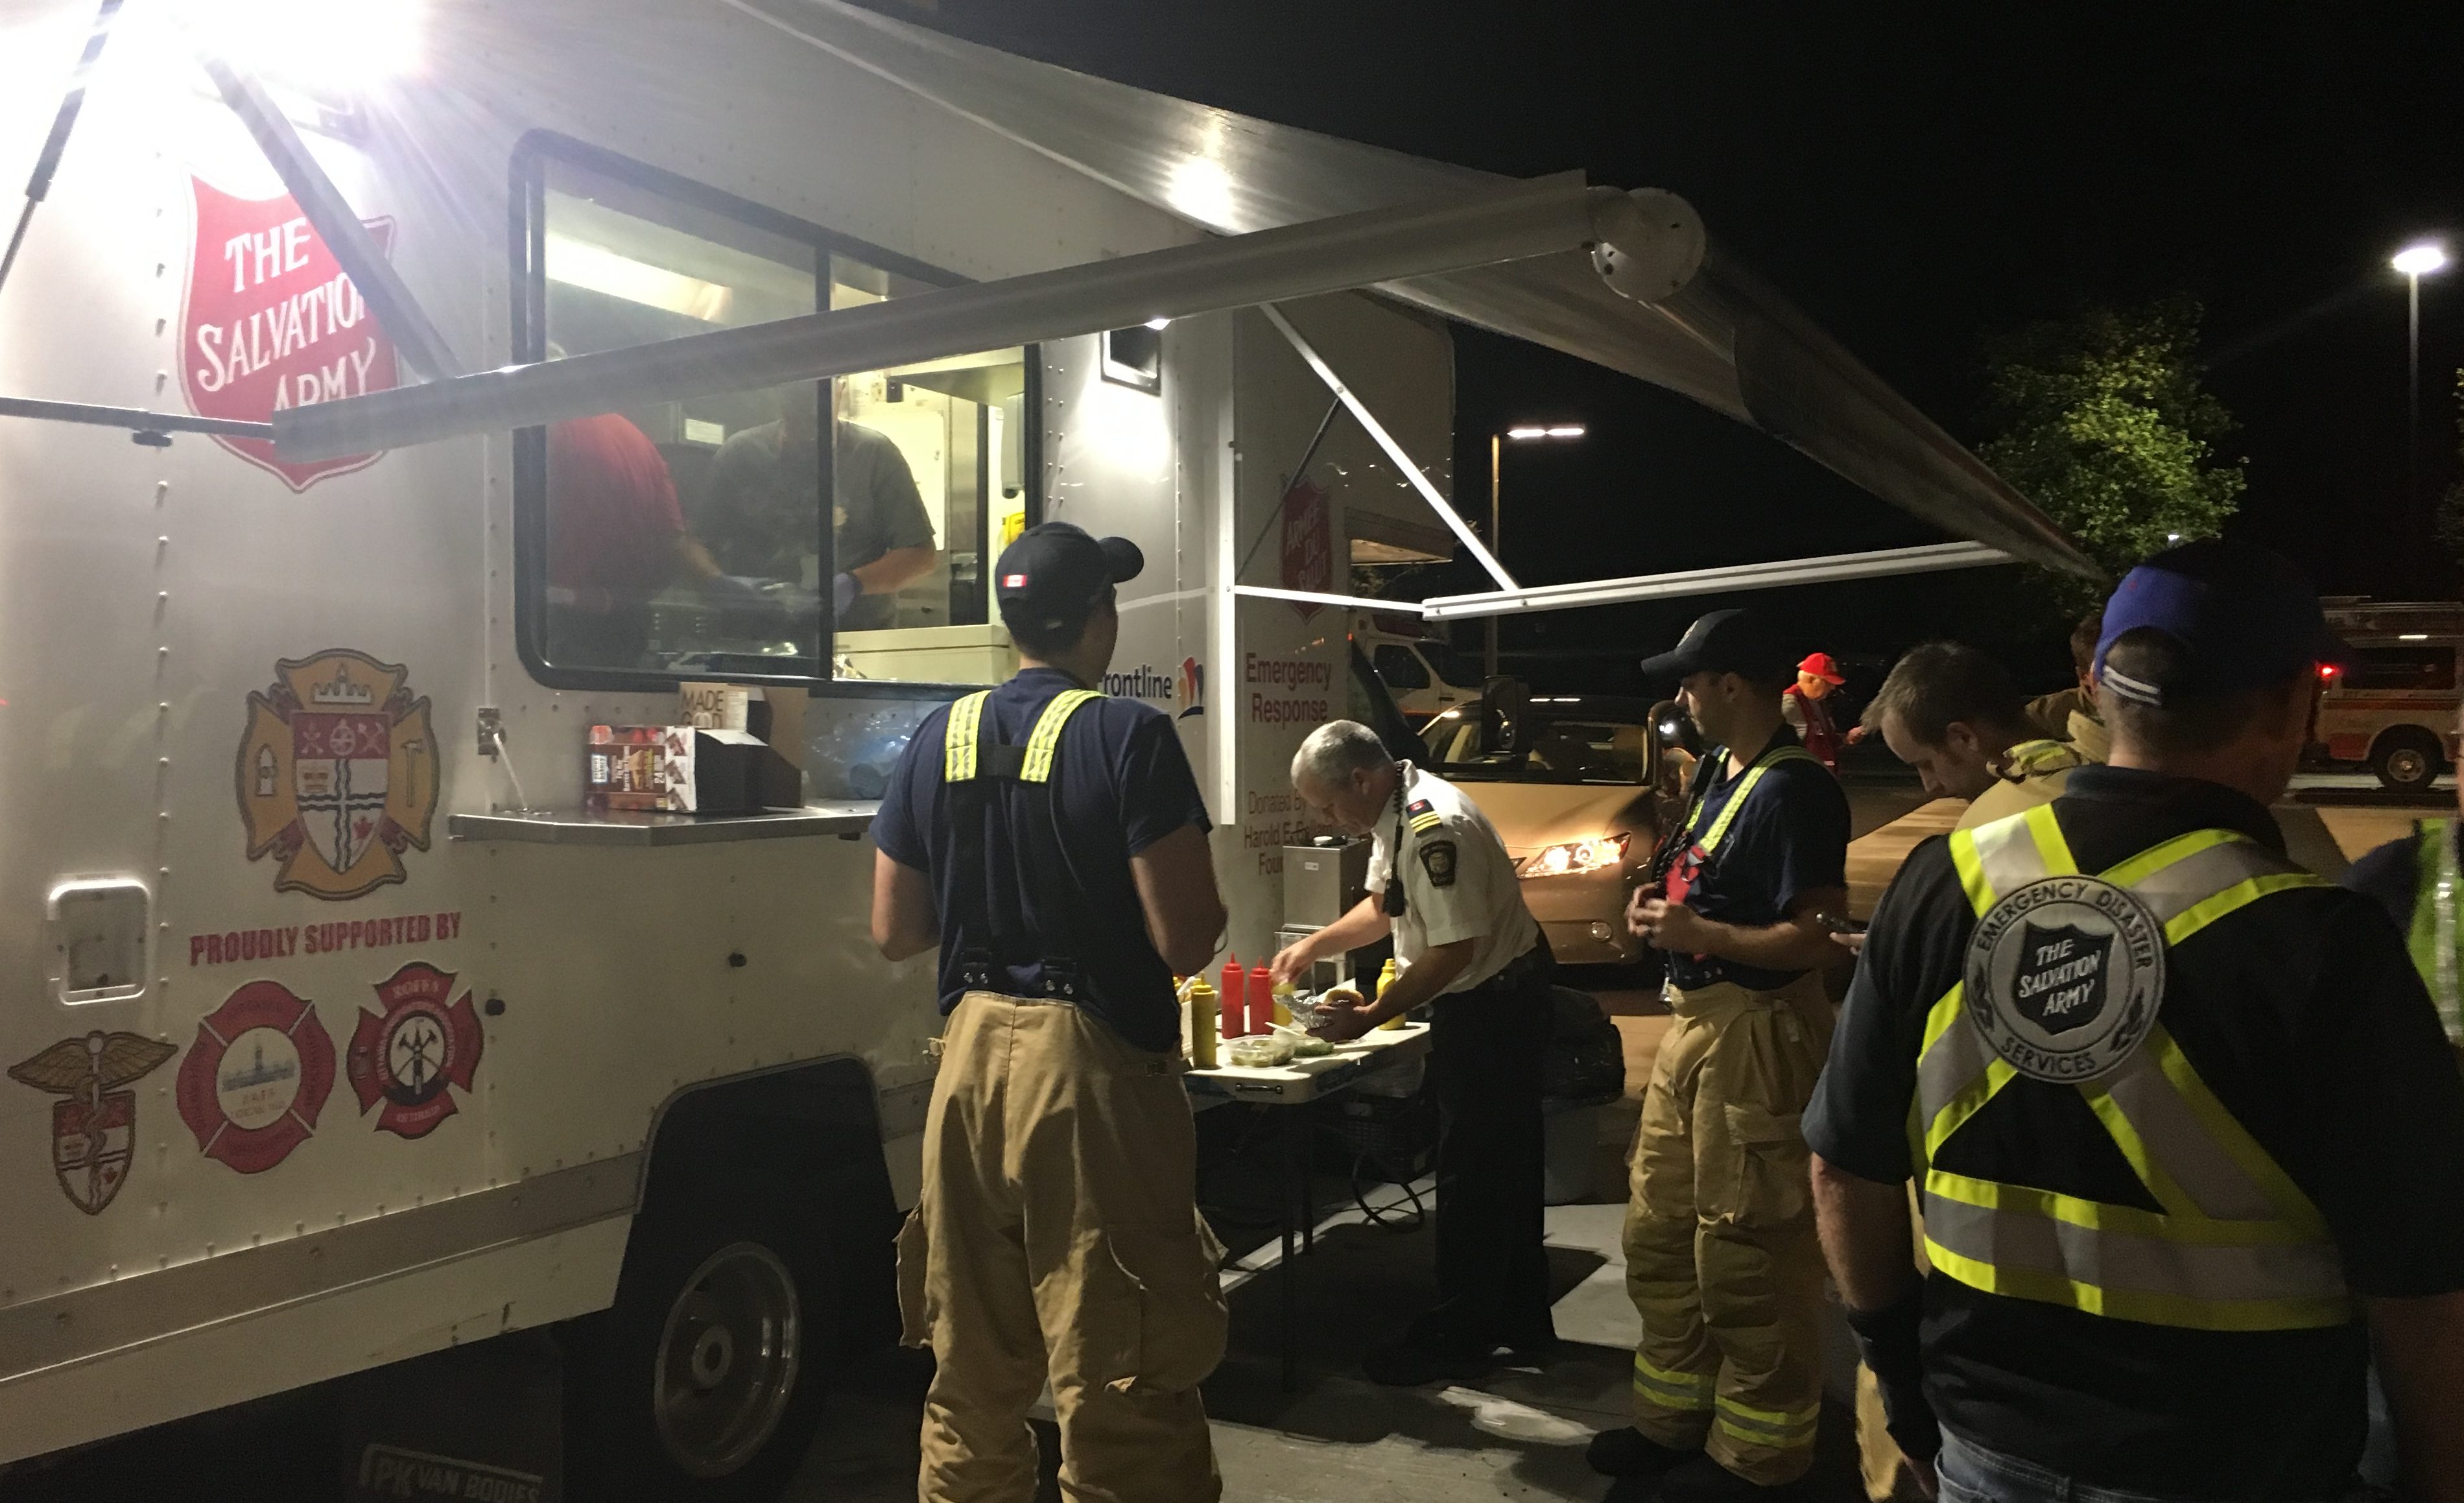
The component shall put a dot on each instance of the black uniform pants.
(1484, 1068)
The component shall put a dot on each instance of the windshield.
(1569, 748)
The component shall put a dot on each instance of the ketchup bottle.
(1231, 993)
(1262, 1000)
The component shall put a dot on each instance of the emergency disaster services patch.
(2064, 977)
(94, 1131)
(408, 1054)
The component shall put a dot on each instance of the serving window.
(708, 538)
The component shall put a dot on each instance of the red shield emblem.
(272, 322)
(1308, 543)
(408, 1054)
(256, 1078)
(94, 1131)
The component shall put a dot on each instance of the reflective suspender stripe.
(1769, 760)
(959, 737)
(1046, 736)
(2431, 941)
(1683, 1392)
(1780, 1429)
(2237, 1246)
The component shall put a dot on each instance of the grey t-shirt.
(759, 517)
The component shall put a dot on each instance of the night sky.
(1917, 177)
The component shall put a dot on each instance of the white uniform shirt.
(1459, 883)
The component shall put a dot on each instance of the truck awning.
(1727, 339)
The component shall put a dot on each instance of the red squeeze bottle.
(1262, 1000)
(1230, 994)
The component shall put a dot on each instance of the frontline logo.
(338, 774)
(2064, 978)
(272, 322)
(94, 1132)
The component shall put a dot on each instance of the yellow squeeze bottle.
(1283, 995)
(1198, 1006)
(1386, 979)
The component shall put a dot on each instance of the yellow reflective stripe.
(2156, 858)
(1971, 864)
(1969, 1101)
(2176, 1201)
(2169, 1310)
(2105, 1216)
(2300, 1215)
(1719, 830)
(1943, 1015)
(1045, 739)
(1670, 1390)
(2198, 915)
(2050, 849)
(959, 741)
(1783, 1430)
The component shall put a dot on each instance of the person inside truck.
(757, 516)
(615, 536)
(1052, 843)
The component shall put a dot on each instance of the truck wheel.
(705, 1382)
(2405, 760)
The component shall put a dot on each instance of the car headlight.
(1575, 857)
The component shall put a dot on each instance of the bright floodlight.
(1527, 433)
(1570, 430)
(2420, 260)
(312, 45)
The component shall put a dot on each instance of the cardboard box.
(679, 770)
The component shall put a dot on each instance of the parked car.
(1580, 801)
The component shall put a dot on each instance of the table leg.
(1308, 1180)
(1283, 1272)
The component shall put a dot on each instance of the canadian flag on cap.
(1013, 581)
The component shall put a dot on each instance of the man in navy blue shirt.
(1051, 844)
(1719, 1250)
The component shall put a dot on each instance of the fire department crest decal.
(338, 774)
(94, 1130)
(256, 1078)
(408, 1054)
(2064, 977)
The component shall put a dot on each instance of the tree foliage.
(2101, 419)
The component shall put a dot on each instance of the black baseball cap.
(1055, 572)
(1735, 641)
(2245, 615)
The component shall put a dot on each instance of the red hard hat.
(1821, 666)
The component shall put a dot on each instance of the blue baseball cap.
(2245, 615)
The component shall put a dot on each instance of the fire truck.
(2391, 705)
(394, 395)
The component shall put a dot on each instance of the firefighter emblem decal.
(2064, 977)
(338, 774)
(256, 1078)
(94, 1130)
(408, 1054)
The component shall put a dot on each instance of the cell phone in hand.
(1839, 924)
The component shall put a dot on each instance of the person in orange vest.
(1802, 707)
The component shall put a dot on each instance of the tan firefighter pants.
(1058, 1238)
(1720, 1253)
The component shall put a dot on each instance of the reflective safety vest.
(2437, 892)
(971, 759)
(1685, 856)
(2063, 981)
(2038, 759)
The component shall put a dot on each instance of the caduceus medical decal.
(94, 1129)
(338, 774)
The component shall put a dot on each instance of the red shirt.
(612, 517)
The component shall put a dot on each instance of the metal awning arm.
(387, 297)
(1726, 579)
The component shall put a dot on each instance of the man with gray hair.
(1440, 882)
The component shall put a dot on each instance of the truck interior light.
(312, 44)
(595, 268)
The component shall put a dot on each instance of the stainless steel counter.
(634, 829)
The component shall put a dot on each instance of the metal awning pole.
(1313, 597)
(1393, 450)
(387, 297)
(1511, 222)
(137, 420)
(1734, 577)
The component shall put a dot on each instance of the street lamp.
(2414, 262)
(1521, 434)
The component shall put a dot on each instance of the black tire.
(2406, 761)
(705, 1382)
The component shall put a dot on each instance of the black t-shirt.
(1789, 838)
(2303, 1014)
(1120, 783)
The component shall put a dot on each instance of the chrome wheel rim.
(2407, 765)
(728, 1357)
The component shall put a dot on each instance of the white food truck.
(337, 1030)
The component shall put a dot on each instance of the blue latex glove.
(843, 591)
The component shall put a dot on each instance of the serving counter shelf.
(639, 829)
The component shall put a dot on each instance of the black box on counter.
(679, 769)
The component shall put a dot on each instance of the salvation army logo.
(338, 774)
(408, 1054)
(270, 323)
(1308, 543)
(256, 1078)
(2064, 977)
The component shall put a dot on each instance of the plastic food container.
(1260, 1051)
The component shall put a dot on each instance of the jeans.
(1969, 1474)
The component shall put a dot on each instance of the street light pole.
(1523, 433)
(2415, 262)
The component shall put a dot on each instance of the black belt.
(1518, 971)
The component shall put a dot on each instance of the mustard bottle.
(1197, 1009)
(1282, 994)
(1386, 979)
